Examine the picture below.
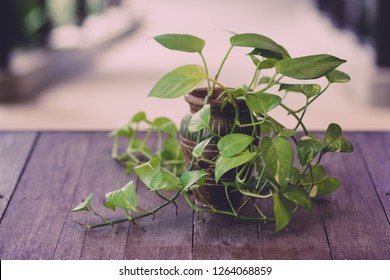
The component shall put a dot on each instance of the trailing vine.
(275, 162)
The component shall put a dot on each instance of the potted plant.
(231, 143)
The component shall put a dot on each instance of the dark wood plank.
(355, 221)
(99, 174)
(375, 147)
(224, 237)
(167, 236)
(15, 148)
(303, 239)
(34, 220)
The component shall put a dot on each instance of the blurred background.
(88, 64)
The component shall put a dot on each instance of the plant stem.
(303, 114)
(311, 101)
(133, 218)
(206, 68)
(222, 64)
(291, 112)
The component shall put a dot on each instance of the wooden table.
(43, 175)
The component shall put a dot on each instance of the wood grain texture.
(303, 239)
(15, 148)
(51, 173)
(355, 221)
(375, 148)
(99, 174)
(167, 236)
(224, 237)
(34, 221)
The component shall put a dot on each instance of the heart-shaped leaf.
(319, 174)
(327, 186)
(181, 42)
(299, 196)
(334, 142)
(199, 148)
(147, 170)
(125, 198)
(223, 165)
(139, 117)
(200, 119)
(309, 90)
(282, 212)
(337, 76)
(309, 147)
(84, 206)
(190, 178)
(263, 45)
(262, 103)
(233, 144)
(163, 180)
(278, 156)
(179, 81)
(172, 149)
(308, 67)
(165, 125)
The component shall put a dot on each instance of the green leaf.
(296, 176)
(199, 148)
(333, 132)
(267, 64)
(233, 144)
(262, 103)
(163, 180)
(200, 119)
(84, 206)
(271, 126)
(124, 131)
(334, 142)
(172, 149)
(299, 196)
(337, 76)
(309, 147)
(319, 174)
(278, 156)
(282, 212)
(136, 145)
(308, 67)
(309, 90)
(139, 117)
(287, 132)
(165, 125)
(125, 198)
(181, 42)
(190, 178)
(109, 205)
(238, 92)
(341, 145)
(179, 81)
(147, 170)
(223, 165)
(327, 186)
(263, 45)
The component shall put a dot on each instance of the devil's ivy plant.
(270, 166)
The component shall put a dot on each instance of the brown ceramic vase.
(221, 122)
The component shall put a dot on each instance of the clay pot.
(221, 122)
